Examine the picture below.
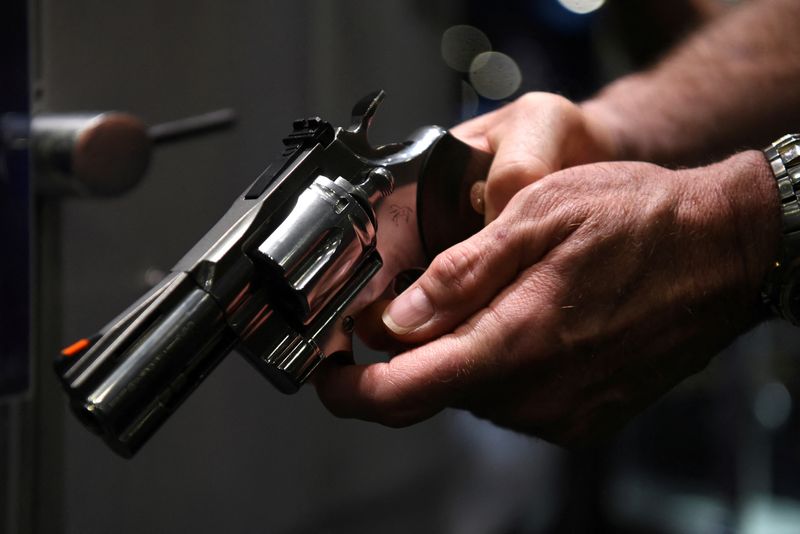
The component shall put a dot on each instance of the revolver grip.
(444, 210)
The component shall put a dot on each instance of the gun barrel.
(138, 375)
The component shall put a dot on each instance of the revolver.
(320, 234)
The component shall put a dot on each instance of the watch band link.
(779, 290)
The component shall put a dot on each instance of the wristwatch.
(781, 289)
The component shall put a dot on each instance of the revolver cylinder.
(326, 234)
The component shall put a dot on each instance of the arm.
(735, 83)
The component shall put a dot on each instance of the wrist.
(755, 207)
(608, 120)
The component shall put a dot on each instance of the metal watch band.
(781, 287)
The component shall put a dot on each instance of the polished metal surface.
(781, 291)
(325, 234)
(318, 235)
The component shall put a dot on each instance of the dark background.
(241, 457)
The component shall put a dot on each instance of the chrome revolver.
(316, 237)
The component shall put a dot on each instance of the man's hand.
(536, 135)
(595, 290)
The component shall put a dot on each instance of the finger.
(474, 131)
(533, 136)
(466, 277)
(370, 328)
(459, 369)
(457, 283)
(411, 387)
(527, 146)
(509, 134)
(369, 392)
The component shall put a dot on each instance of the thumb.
(464, 279)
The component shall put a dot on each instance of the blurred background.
(717, 455)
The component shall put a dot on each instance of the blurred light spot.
(460, 45)
(582, 7)
(469, 101)
(773, 405)
(494, 75)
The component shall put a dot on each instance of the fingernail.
(408, 312)
(476, 197)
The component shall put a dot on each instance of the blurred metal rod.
(180, 129)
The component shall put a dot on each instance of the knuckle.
(531, 99)
(455, 268)
(393, 402)
(514, 172)
(538, 101)
(378, 388)
(508, 178)
(535, 99)
(382, 394)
